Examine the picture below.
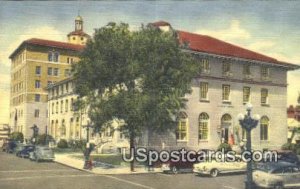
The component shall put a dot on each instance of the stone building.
(230, 77)
(36, 63)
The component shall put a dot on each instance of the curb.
(90, 171)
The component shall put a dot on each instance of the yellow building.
(36, 63)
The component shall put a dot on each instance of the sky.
(269, 27)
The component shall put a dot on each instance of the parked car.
(180, 166)
(41, 153)
(24, 152)
(288, 156)
(19, 147)
(277, 175)
(214, 168)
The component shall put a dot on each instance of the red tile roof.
(207, 44)
(49, 43)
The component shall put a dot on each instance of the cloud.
(262, 45)
(234, 32)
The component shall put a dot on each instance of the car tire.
(174, 170)
(278, 186)
(214, 173)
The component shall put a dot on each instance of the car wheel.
(214, 173)
(174, 170)
(278, 186)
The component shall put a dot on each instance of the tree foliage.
(140, 77)
(17, 136)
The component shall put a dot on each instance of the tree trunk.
(132, 147)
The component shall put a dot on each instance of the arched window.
(181, 131)
(226, 122)
(264, 128)
(203, 126)
(63, 128)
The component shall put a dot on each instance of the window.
(246, 94)
(50, 57)
(62, 89)
(67, 73)
(66, 105)
(38, 70)
(67, 87)
(226, 67)
(55, 72)
(56, 107)
(203, 90)
(49, 83)
(226, 92)
(37, 98)
(264, 128)
(37, 84)
(36, 113)
(53, 56)
(52, 107)
(204, 66)
(69, 60)
(181, 131)
(265, 73)
(50, 71)
(72, 104)
(246, 69)
(63, 128)
(203, 126)
(264, 96)
(61, 106)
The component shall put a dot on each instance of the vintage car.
(41, 153)
(214, 168)
(277, 175)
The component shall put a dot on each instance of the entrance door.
(226, 123)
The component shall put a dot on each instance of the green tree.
(139, 77)
(43, 139)
(17, 136)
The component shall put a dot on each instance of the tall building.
(230, 77)
(36, 63)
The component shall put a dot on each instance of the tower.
(78, 36)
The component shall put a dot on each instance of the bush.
(17, 136)
(62, 143)
(289, 146)
(77, 144)
(41, 139)
(224, 146)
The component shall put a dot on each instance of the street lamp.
(248, 123)
(88, 150)
(35, 133)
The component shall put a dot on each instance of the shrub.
(288, 146)
(17, 136)
(41, 139)
(62, 143)
(224, 146)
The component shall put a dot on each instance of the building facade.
(67, 122)
(230, 77)
(36, 63)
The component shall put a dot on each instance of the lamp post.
(88, 150)
(248, 123)
(35, 130)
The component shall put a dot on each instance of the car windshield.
(263, 167)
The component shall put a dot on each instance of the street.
(18, 173)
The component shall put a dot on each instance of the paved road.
(17, 173)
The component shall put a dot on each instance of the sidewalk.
(68, 160)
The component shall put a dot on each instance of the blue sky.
(269, 27)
